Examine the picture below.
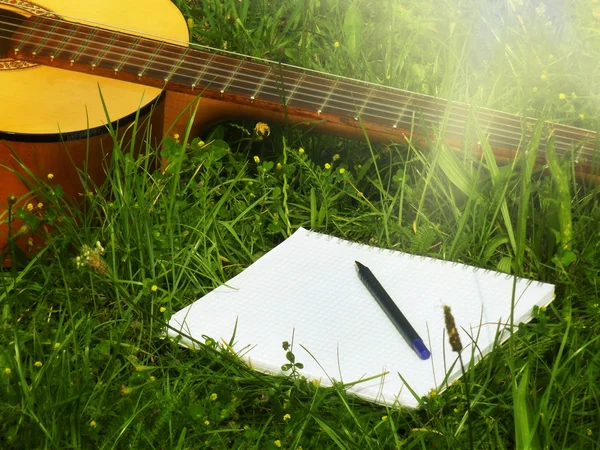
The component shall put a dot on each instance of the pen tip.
(358, 265)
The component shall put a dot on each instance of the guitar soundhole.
(9, 22)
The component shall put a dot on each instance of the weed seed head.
(452, 332)
(92, 258)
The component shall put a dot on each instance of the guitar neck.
(281, 88)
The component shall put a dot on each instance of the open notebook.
(307, 287)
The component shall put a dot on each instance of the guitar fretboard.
(177, 66)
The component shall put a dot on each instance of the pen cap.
(420, 348)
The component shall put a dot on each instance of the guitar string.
(437, 117)
(159, 38)
(105, 48)
(301, 92)
(337, 77)
(226, 71)
(355, 82)
(170, 64)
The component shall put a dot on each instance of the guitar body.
(53, 121)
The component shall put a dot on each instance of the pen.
(394, 314)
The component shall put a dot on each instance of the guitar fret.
(203, 71)
(32, 28)
(262, 83)
(177, 65)
(289, 98)
(127, 55)
(45, 39)
(151, 60)
(83, 47)
(320, 110)
(104, 50)
(362, 108)
(402, 112)
(64, 41)
(228, 82)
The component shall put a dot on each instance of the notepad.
(306, 291)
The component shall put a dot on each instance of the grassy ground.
(83, 362)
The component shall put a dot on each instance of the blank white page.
(308, 286)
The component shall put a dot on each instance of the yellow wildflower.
(277, 443)
(57, 346)
(162, 309)
(301, 150)
(23, 229)
(206, 422)
(327, 166)
(50, 176)
(154, 288)
(29, 207)
(30, 242)
(582, 116)
(93, 424)
(125, 391)
(213, 397)
(38, 364)
(176, 137)
(261, 129)
(384, 418)
(286, 417)
(342, 170)
(336, 44)
(40, 205)
(562, 96)
(152, 378)
(256, 159)
(279, 166)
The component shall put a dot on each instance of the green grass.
(84, 363)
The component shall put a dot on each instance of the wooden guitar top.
(45, 100)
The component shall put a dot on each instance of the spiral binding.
(412, 256)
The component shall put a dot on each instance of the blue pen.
(389, 307)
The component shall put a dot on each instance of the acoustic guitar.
(56, 55)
